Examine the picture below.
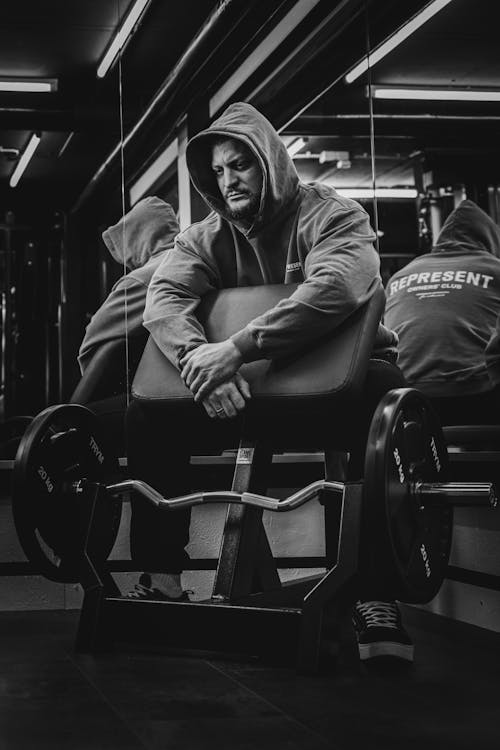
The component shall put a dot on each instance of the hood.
(148, 229)
(468, 228)
(280, 180)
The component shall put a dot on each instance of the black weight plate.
(61, 446)
(409, 542)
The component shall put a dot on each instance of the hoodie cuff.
(245, 342)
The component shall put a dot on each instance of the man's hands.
(209, 365)
(211, 373)
(228, 398)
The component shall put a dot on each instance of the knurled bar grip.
(457, 493)
(246, 498)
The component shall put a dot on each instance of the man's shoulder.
(420, 262)
(142, 276)
(320, 197)
(210, 226)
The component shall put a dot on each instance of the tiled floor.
(54, 698)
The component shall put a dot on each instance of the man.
(266, 227)
(137, 242)
(444, 306)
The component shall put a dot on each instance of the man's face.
(239, 178)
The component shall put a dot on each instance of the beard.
(247, 212)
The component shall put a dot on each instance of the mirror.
(434, 100)
(53, 274)
(330, 139)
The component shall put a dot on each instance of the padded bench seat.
(324, 378)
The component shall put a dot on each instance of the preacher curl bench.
(67, 499)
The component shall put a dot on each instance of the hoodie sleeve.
(492, 356)
(110, 322)
(341, 273)
(175, 290)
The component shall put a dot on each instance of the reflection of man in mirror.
(266, 227)
(444, 305)
(138, 241)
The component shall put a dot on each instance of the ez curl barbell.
(407, 502)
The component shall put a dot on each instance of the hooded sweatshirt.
(443, 306)
(302, 233)
(138, 241)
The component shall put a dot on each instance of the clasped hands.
(211, 373)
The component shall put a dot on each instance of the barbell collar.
(459, 494)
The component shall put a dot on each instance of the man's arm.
(342, 271)
(492, 355)
(175, 290)
(111, 322)
(174, 293)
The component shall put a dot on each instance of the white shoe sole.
(386, 648)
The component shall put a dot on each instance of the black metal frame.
(250, 612)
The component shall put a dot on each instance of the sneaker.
(143, 590)
(380, 631)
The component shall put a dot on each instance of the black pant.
(110, 413)
(162, 439)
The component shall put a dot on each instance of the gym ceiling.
(182, 52)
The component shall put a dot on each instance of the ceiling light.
(377, 193)
(393, 41)
(327, 156)
(154, 172)
(121, 37)
(9, 153)
(36, 85)
(24, 160)
(443, 95)
(295, 146)
(268, 45)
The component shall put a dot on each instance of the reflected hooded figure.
(139, 241)
(444, 305)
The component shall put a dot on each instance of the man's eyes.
(239, 166)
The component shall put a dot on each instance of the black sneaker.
(143, 590)
(380, 631)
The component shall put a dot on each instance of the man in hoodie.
(443, 307)
(138, 242)
(265, 227)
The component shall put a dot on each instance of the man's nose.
(230, 177)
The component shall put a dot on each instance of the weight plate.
(61, 446)
(410, 541)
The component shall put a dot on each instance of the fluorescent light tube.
(444, 95)
(377, 193)
(121, 37)
(36, 85)
(278, 35)
(295, 146)
(24, 160)
(395, 40)
(154, 172)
